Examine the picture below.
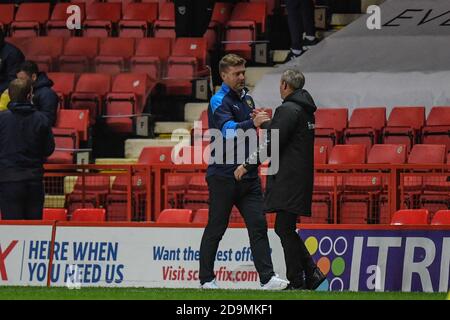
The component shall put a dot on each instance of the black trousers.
(246, 195)
(296, 255)
(300, 19)
(192, 17)
(22, 200)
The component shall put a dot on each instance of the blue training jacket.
(228, 112)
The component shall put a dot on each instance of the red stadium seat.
(442, 217)
(30, 18)
(6, 15)
(124, 3)
(90, 92)
(329, 126)
(348, 154)
(201, 216)
(188, 60)
(410, 217)
(246, 22)
(137, 20)
(404, 125)
(90, 191)
(116, 201)
(387, 154)
(152, 155)
(66, 143)
(175, 216)
(54, 214)
(428, 154)
(437, 127)
(89, 215)
(365, 126)
(45, 51)
(151, 55)
(63, 85)
(101, 19)
(197, 193)
(164, 27)
(76, 119)
(320, 154)
(57, 25)
(221, 14)
(78, 55)
(114, 55)
(127, 99)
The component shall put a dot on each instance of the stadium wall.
(356, 258)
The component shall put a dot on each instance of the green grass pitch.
(37, 293)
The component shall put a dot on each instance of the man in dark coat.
(10, 59)
(289, 191)
(26, 140)
(192, 17)
(44, 98)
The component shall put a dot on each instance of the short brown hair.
(19, 90)
(231, 60)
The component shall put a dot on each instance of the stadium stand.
(175, 216)
(54, 214)
(410, 217)
(88, 215)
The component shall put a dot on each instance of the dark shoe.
(307, 42)
(292, 287)
(291, 55)
(315, 280)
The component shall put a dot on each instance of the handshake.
(259, 117)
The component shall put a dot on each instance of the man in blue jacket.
(26, 140)
(44, 98)
(10, 59)
(231, 109)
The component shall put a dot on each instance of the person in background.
(44, 98)
(301, 20)
(10, 59)
(192, 17)
(26, 140)
(289, 191)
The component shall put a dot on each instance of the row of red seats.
(420, 217)
(368, 126)
(242, 24)
(184, 58)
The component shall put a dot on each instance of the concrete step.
(133, 147)
(192, 111)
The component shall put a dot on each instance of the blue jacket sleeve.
(224, 119)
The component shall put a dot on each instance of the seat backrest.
(93, 184)
(91, 215)
(82, 46)
(137, 83)
(249, 11)
(413, 117)
(201, 216)
(175, 216)
(428, 153)
(118, 47)
(439, 116)
(320, 154)
(120, 184)
(410, 216)
(191, 47)
(66, 138)
(63, 82)
(45, 46)
(141, 11)
(104, 11)
(166, 11)
(387, 153)
(6, 13)
(58, 214)
(158, 47)
(76, 119)
(348, 154)
(39, 12)
(59, 12)
(94, 83)
(374, 118)
(222, 12)
(152, 155)
(441, 217)
(331, 118)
